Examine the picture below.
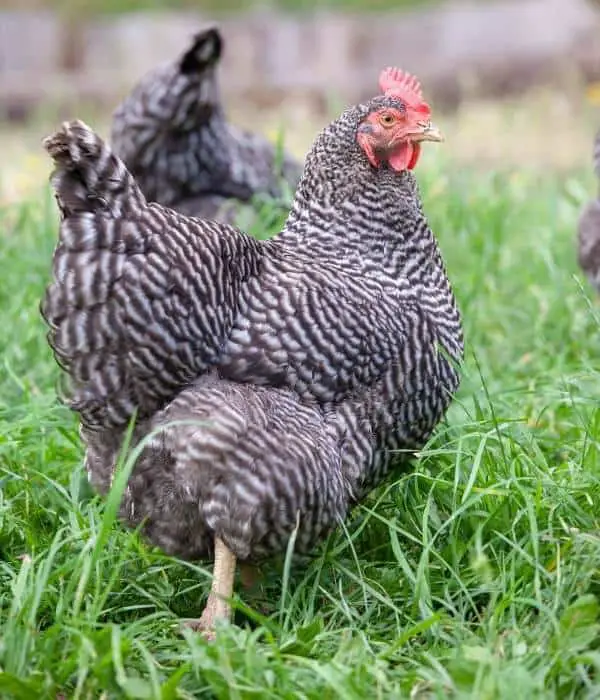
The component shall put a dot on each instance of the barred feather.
(257, 461)
(311, 357)
(142, 298)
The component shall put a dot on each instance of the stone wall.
(458, 49)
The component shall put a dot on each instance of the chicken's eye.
(386, 119)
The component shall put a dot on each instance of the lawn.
(474, 576)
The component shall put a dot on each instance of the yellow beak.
(427, 132)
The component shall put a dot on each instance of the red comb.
(394, 82)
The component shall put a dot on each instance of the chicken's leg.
(217, 605)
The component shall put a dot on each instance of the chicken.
(298, 370)
(173, 136)
(589, 231)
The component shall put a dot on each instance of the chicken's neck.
(374, 226)
(374, 222)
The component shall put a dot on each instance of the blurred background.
(512, 83)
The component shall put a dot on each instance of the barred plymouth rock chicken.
(172, 134)
(589, 231)
(279, 378)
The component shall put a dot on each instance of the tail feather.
(141, 298)
(88, 176)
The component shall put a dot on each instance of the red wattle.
(405, 156)
(416, 152)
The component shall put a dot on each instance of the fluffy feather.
(313, 361)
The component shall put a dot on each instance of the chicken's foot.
(217, 605)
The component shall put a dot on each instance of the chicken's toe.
(216, 609)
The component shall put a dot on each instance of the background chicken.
(172, 133)
(589, 231)
(303, 362)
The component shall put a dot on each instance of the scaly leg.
(217, 605)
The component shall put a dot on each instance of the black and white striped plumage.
(309, 358)
(173, 135)
(269, 457)
(588, 242)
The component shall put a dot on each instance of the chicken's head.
(393, 134)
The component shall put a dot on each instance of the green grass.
(475, 576)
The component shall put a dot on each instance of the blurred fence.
(456, 49)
